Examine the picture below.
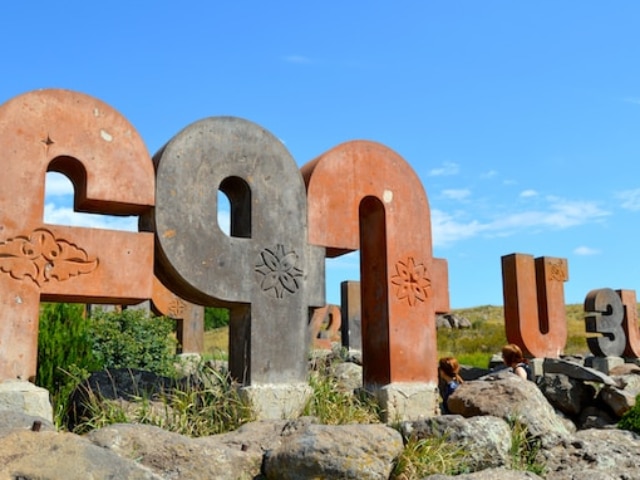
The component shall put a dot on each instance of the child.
(513, 358)
(450, 379)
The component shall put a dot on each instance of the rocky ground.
(569, 414)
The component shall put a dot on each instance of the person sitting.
(515, 361)
(450, 379)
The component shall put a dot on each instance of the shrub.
(630, 420)
(215, 318)
(63, 340)
(133, 339)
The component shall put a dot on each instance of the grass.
(209, 407)
(428, 456)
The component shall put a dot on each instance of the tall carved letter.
(604, 313)
(630, 323)
(534, 309)
(102, 154)
(362, 195)
(265, 272)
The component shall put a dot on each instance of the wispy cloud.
(630, 199)
(456, 193)
(447, 169)
(528, 193)
(60, 215)
(448, 229)
(58, 184)
(560, 213)
(489, 174)
(66, 216)
(299, 59)
(585, 251)
(555, 213)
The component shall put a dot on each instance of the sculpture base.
(277, 401)
(407, 401)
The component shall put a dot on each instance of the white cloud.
(448, 230)
(57, 184)
(299, 59)
(560, 214)
(528, 193)
(489, 174)
(447, 168)
(584, 250)
(66, 216)
(456, 193)
(630, 199)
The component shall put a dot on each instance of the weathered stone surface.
(348, 376)
(533, 292)
(346, 451)
(618, 400)
(486, 441)
(173, 456)
(600, 454)
(604, 313)
(17, 420)
(25, 397)
(576, 371)
(265, 271)
(324, 327)
(351, 328)
(509, 397)
(488, 474)
(364, 196)
(107, 161)
(64, 456)
(566, 394)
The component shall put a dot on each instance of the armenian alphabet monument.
(269, 270)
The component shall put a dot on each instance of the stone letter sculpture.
(265, 272)
(604, 313)
(102, 154)
(362, 195)
(534, 309)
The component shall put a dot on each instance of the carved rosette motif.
(279, 272)
(176, 308)
(558, 271)
(43, 258)
(412, 281)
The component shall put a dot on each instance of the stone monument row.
(269, 271)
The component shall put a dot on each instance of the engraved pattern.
(43, 258)
(412, 281)
(558, 271)
(176, 308)
(279, 271)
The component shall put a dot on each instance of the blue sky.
(522, 119)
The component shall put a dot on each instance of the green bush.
(215, 318)
(133, 339)
(63, 340)
(630, 420)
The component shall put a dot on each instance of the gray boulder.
(344, 451)
(511, 398)
(485, 441)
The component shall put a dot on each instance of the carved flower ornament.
(412, 281)
(279, 271)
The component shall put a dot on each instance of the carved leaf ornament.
(44, 258)
(412, 281)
